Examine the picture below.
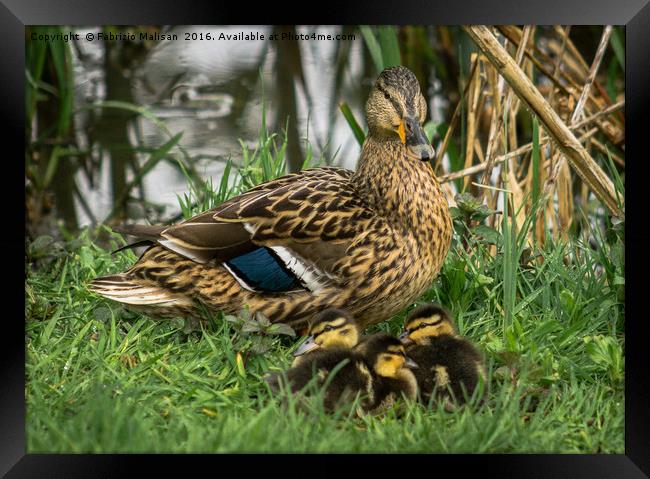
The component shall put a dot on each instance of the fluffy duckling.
(331, 329)
(333, 335)
(449, 365)
(391, 368)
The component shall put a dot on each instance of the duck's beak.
(413, 136)
(411, 364)
(307, 346)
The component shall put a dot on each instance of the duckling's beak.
(413, 136)
(409, 363)
(404, 338)
(307, 346)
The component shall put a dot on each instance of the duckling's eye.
(328, 328)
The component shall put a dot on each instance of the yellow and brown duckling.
(450, 367)
(393, 377)
(371, 240)
(330, 347)
(332, 329)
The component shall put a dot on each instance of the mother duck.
(369, 241)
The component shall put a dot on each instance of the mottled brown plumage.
(371, 241)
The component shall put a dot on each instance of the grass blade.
(349, 117)
(389, 46)
(373, 47)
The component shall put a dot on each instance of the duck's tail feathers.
(123, 289)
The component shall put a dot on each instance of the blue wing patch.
(263, 270)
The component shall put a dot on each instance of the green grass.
(103, 379)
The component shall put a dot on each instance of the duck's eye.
(386, 95)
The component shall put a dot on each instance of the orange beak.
(402, 132)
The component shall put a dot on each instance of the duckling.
(449, 365)
(391, 368)
(330, 348)
(331, 329)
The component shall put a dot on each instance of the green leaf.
(616, 41)
(389, 46)
(528, 299)
(467, 203)
(262, 320)
(473, 207)
(483, 280)
(260, 345)
(567, 300)
(354, 125)
(282, 328)
(251, 327)
(86, 257)
(373, 47)
(483, 212)
(455, 213)
(430, 129)
(535, 160)
(487, 234)
(50, 326)
(232, 319)
(40, 245)
(102, 314)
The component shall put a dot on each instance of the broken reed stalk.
(580, 159)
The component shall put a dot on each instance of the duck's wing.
(282, 235)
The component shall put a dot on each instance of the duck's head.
(426, 322)
(396, 110)
(386, 355)
(331, 328)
